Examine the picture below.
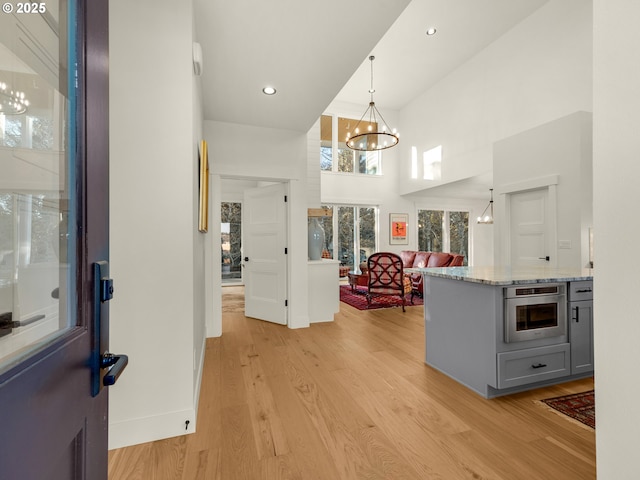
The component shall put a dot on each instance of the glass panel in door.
(37, 249)
(459, 234)
(367, 232)
(430, 230)
(346, 236)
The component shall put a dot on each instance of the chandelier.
(376, 135)
(487, 218)
(12, 102)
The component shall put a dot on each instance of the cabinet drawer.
(580, 290)
(531, 365)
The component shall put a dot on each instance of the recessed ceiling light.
(269, 91)
(431, 31)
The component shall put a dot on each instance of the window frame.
(356, 228)
(335, 148)
(446, 235)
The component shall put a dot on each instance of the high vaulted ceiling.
(313, 52)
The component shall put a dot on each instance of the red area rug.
(579, 406)
(358, 299)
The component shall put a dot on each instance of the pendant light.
(374, 133)
(487, 218)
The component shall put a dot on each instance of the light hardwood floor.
(353, 399)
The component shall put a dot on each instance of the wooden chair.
(386, 277)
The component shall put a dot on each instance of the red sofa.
(418, 259)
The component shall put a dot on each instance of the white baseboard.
(171, 424)
(150, 429)
(198, 380)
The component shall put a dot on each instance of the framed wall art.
(203, 185)
(398, 223)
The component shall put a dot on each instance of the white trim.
(531, 184)
(199, 368)
(149, 429)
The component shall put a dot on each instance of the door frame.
(503, 207)
(213, 269)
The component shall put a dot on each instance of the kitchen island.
(494, 344)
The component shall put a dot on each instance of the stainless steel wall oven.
(535, 311)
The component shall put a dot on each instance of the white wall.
(616, 162)
(156, 250)
(538, 71)
(559, 148)
(201, 290)
(256, 153)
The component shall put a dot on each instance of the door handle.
(544, 258)
(105, 367)
(116, 365)
(246, 259)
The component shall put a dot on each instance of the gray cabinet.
(581, 326)
(530, 365)
(464, 338)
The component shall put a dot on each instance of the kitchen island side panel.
(460, 330)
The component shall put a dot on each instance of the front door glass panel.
(37, 205)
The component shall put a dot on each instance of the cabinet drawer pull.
(539, 365)
(586, 290)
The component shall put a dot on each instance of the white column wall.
(616, 168)
(201, 285)
(157, 310)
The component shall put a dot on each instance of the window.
(351, 233)
(444, 231)
(459, 234)
(326, 143)
(231, 241)
(348, 161)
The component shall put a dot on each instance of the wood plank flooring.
(353, 399)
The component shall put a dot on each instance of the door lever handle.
(116, 365)
(544, 258)
(246, 259)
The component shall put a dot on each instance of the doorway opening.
(253, 241)
(231, 243)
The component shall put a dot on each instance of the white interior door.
(264, 257)
(531, 235)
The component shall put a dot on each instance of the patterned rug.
(579, 406)
(358, 299)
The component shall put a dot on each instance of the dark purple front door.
(54, 232)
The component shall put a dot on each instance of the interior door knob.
(246, 259)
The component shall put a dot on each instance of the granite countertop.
(501, 276)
